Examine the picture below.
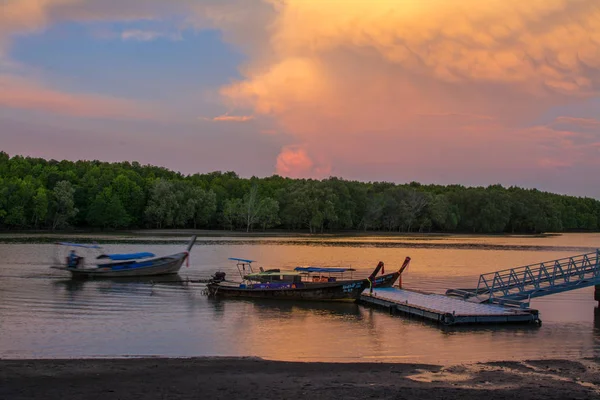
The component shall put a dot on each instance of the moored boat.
(303, 283)
(388, 280)
(118, 265)
(317, 274)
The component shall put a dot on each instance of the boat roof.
(322, 269)
(241, 259)
(275, 273)
(129, 256)
(84, 245)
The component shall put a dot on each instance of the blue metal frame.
(322, 269)
(541, 279)
(241, 260)
(84, 245)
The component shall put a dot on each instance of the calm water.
(43, 314)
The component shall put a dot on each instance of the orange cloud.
(230, 118)
(394, 85)
(233, 118)
(366, 81)
(20, 93)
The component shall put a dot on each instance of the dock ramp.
(535, 280)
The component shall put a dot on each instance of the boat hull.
(159, 266)
(338, 291)
(386, 280)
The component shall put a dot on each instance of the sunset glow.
(465, 91)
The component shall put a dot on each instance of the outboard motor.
(218, 277)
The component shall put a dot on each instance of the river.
(44, 314)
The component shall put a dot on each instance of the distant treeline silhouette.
(49, 194)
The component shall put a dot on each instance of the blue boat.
(96, 264)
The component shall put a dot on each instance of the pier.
(500, 297)
(446, 310)
(535, 280)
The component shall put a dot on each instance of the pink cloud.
(586, 122)
(20, 93)
(553, 163)
(294, 162)
(437, 85)
(417, 90)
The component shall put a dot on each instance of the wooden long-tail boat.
(388, 280)
(120, 265)
(290, 285)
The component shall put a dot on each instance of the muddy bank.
(157, 378)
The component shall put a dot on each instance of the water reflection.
(126, 285)
(70, 285)
(43, 313)
(78, 284)
(266, 307)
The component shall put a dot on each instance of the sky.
(448, 92)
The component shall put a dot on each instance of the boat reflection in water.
(302, 283)
(266, 306)
(75, 285)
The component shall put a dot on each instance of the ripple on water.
(45, 314)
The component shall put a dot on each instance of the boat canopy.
(273, 273)
(86, 246)
(322, 269)
(125, 257)
(241, 259)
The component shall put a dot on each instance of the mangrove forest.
(56, 195)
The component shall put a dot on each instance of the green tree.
(252, 207)
(131, 196)
(16, 217)
(373, 213)
(36, 192)
(268, 216)
(64, 205)
(205, 206)
(40, 206)
(162, 204)
(107, 211)
(233, 213)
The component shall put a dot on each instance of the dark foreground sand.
(224, 378)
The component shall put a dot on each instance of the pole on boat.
(191, 243)
(187, 251)
(373, 275)
(376, 271)
(401, 270)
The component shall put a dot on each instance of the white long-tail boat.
(101, 265)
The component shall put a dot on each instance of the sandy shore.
(224, 378)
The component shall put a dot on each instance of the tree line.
(47, 194)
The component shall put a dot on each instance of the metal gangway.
(523, 283)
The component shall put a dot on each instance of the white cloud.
(147, 36)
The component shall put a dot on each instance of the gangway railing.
(537, 280)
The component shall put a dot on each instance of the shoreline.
(176, 233)
(254, 378)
